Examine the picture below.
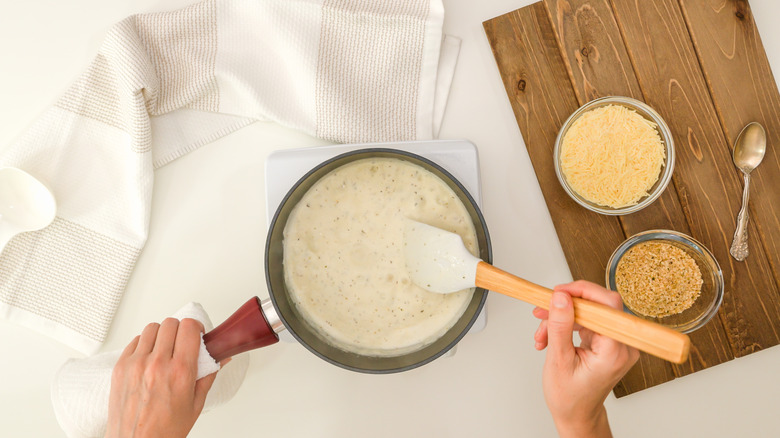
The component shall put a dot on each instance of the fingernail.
(559, 300)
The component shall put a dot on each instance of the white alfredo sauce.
(344, 263)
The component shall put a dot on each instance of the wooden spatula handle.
(644, 335)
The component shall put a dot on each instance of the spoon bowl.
(25, 204)
(749, 150)
(750, 147)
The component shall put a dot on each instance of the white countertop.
(206, 244)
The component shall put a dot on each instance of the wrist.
(593, 426)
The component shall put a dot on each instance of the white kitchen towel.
(164, 84)
(81, 387)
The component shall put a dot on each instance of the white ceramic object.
(25, 204)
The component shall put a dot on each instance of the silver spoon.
(25, 204)
(749, 150)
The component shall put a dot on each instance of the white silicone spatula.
(25, 204)
(438, 261)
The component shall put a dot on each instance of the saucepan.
(257, 323)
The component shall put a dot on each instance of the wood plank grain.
(593, 50)
(658, 50)
(542, 98)
(744, 90)
(671, 79)
(598, 65)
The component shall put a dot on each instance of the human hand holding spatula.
(438, 261)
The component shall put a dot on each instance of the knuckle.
(193, 324)
(626, 358)
(592, 287)
(151, 376)
(615, 300)
(118, 373)
(126, 370)
(135, 377)
(170, 321)
(150, 379)
(181, 374)
(178, 366)
(556, 326)
(581, 284)
(155, 366)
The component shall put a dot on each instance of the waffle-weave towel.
(163, 84)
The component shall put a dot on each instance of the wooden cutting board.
(701, 65)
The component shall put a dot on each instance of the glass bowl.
(666, 171)
(708, 303)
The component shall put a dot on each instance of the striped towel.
(164, 84)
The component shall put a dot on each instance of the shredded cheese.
(612, 156)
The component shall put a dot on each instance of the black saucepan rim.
(309, 338)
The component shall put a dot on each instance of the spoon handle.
(644, 335)
(739, 247)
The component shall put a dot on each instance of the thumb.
(560, 326)
(202, 387)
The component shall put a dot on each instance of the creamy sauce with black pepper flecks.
(343, 256)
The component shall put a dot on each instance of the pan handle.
(253, 325)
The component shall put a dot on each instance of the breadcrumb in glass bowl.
(667, 277)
